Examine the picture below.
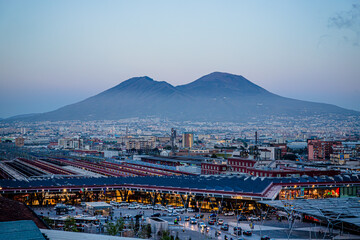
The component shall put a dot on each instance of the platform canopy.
(334, 211)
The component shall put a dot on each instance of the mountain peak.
(217, 96)
(219, 84)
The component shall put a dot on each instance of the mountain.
(214, 97)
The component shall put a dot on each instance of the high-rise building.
(188, 140)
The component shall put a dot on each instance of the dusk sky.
(54, 53)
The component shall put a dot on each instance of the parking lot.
(271, 227)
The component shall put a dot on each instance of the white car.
(70, 208)
(132, 206)
(174, 213)
(170, 209)
(253, 218)
(190, 210)
(181, 210)
(114, 203)
(229, 213)
(157, 207)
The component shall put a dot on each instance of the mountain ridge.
(216, 96)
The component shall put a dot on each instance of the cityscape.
(105, 134)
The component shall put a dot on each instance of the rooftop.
(24, 230)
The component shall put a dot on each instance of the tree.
(145, 231)
(115, 229)
(112, 229)
(148, 231)
(47, 220)
(165, 235)
(70, 225)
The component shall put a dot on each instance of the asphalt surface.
(273, 228)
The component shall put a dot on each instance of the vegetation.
(47, 220)
(70, 225)
(115, 229)
(165, 235)
(145, 231)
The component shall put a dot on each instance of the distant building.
(188, 140)
(319, 150)
(213, 168)
(140, 143)
(70, 143)
(339, 158)
(19, 142)
(248, 166)
(270, 153)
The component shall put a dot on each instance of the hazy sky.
(54, 53)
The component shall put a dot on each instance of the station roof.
(215, 183)
(334, 210)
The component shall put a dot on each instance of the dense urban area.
(161, 179)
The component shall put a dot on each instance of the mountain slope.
(214, 97)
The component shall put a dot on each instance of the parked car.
(132, 206)
(229, 213)
(157, 207)
(220, 221)
(247, 233)
(174, 213)
(253, 218)
(193, 220)
(237, 231)
(265, 237)
(211, 222)
(237, 228)
(225, 227)
(156, 215)
(202, 225)
(124, 204)
(213, 215)
(70, 208)
(180, 210)
(190, 210)
(241, 218)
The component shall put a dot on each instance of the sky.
(54, 53)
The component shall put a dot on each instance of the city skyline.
(54, 54)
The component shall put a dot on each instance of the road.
(272, 228)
